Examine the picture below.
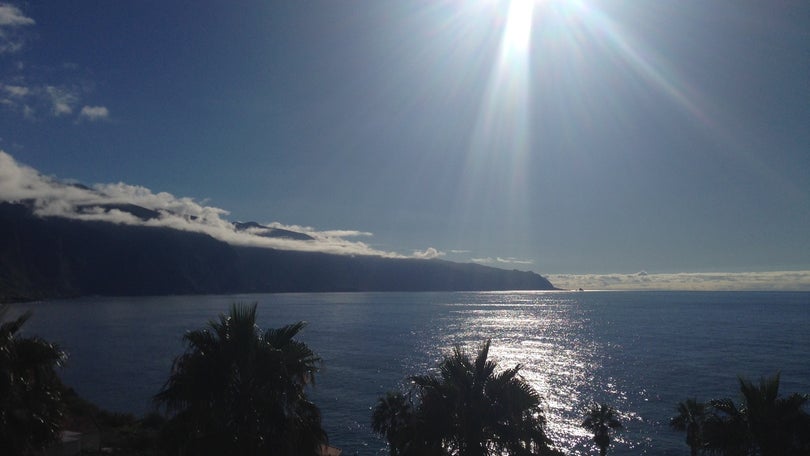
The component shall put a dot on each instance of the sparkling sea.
(641, 352)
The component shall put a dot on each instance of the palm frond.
(468, 408)
(281, 336)
(241, 390)
(10, 328)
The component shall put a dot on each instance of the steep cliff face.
(46, 257)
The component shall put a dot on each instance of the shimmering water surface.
(642, 352)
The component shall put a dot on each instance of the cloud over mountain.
(428, 253)
(114, 203)
(500, 260)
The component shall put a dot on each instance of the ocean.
(641, 352)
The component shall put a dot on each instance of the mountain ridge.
(55, 257)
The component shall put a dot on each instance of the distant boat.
(580, 289)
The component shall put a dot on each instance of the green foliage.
(30, 391)
(467, 410)
(238, 390)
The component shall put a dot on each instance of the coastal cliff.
(53, 257)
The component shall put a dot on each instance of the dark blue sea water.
(642, 352)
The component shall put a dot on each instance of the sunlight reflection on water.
(640, 352)
(543, 333)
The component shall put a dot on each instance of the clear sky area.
(573, 138)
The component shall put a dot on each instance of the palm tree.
(600, 419)
(393, 418)
(690, 418)
(237, 390)
(765, 424)
(30, 392)
(470, 410)
(725, 430)
(772, 420)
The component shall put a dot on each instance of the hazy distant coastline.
(688, 281)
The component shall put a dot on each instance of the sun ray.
(500, 142)
(643, 62)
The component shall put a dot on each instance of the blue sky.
(564, 137)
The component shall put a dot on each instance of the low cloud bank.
(428, 253)
(691, 281)
(502, 261)
(105, 202)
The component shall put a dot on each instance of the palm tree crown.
(467, 410)
(30, 391)
(393, 418)
(763, 424)
(690, 418)
(600, 419)
(237, 390)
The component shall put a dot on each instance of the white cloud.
(57, 199)
(11, 20)
(94, 113)
(427, 254)
(346, 233)
(13, 96)
(58, 98)
(298, 228)
(500, 260)
(513, 260)
(11, 16)
(61, 109)
(62, 100)
(693, 281)
(16, 91)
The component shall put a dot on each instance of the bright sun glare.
(500, 140)
(518, 30)
(500, 143)
(505, 106)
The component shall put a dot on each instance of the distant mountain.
(50, 257)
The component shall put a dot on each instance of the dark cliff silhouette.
(49, 257)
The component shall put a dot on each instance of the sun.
(518, 30)
(500, 141)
